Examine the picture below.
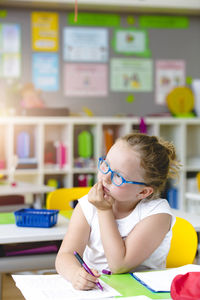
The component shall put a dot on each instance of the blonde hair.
(158, 159)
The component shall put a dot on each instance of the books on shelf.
(27, 163)
(172, 197)
(108, 139)
(85, 180)
(55, 154)
(61, 154)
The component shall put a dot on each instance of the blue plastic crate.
(36, 217)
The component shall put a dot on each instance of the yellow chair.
(183, 244)
(61, 198)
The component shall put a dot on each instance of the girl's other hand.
(85, 281)
(98, 198)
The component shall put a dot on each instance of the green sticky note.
(130, 98)
(7, 218)
(94, 19)
(163, 22)
(189, 80)
(130, 20)
(3, 13)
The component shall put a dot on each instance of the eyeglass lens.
(105, 168)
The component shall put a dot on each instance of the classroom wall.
(163, 43)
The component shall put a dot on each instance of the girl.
(122, 224)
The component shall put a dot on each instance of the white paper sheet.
(129, 298)
(54, 287)
(161, 280)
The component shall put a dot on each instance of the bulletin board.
(109, 87)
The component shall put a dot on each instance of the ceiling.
(161, 6)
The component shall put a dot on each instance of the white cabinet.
(39, 160)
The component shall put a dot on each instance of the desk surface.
(193, 196)
(128, 286)
(24, 188)
(10, 233)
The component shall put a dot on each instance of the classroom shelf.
(184, 133)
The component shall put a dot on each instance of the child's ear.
(145, 192)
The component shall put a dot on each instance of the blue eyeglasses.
(116, 178)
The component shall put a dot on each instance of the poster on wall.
(85, 44)
(45, 31)
(10, 50)
(85, 80)
(131, 74)
(131, 42)
(169, 74)
(45, 71)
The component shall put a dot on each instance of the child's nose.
(107, 177)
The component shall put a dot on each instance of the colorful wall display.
(45, 31)
(169, 74)
(85, 44)
(131, 74)
(94, 19)
(45, 71)
(10, 50)
(163, 22)
(86, 80)
(131, 41)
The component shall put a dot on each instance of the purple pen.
(79, 258)
(107, 272)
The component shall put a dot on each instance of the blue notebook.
(146, 285)
(160, 281)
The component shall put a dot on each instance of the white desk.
(193, 196)
(11, 233)
(24, 188)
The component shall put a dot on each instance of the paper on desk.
(54, 287)
(160, 281)
(129, 298)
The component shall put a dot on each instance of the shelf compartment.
(193, 146)
(56, 147)
(84, 179)
(25, 146)
(84, 138)
(3, 147)
(173, 133)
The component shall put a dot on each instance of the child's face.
(125, 161)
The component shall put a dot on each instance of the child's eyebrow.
(118, 171)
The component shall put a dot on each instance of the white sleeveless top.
(94, 252)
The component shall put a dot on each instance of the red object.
(76, 11)
(186, 287)
(2, 164)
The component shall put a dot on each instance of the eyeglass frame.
(101, 159)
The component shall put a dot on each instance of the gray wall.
(163, 43)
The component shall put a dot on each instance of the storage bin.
(36, 217)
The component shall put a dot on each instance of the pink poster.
(169, 74)
(85, 80)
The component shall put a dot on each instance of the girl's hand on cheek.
(98, 199)
(84, 281)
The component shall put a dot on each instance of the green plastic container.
(85, 144)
